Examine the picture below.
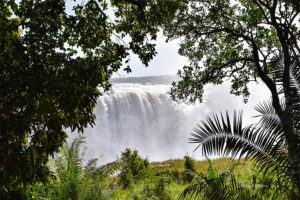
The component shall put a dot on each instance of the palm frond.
(294, 83)
(87, 181)
(74, 165)
(224, 185)
(295, 77)
(269, 120)
(109, 169)
(220, 136)
(264, 143)
(69, 168)
(219, 188)
(293, 72)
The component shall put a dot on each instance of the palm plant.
(69, 169)
(263, 143)
(77, 182)
(273, 143)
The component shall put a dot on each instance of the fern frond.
(109, 169)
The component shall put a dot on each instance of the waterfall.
(143, 117)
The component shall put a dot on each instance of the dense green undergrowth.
(170, 176)
(133, 177)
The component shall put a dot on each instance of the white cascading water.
(143, 117)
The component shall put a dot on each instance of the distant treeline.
(167, 79)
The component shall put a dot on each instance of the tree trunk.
(292, 141)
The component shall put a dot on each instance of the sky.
(166, 62)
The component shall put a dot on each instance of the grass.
(137, 192)
(202, 166)
(175, 188)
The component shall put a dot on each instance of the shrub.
(133, 168)
(160, 190)
(189, 169)
(176, 176)
(157, 189)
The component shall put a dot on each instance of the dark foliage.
(189, 169)
(264, 143)
(54, 64)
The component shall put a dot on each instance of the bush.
(160, 188)
(157, 189)
(173, 174)
(134, 168)
(189, 169)
(176, 176)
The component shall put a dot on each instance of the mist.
(142, 116)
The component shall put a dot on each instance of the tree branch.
(262, 10)
(267, 80)
(232, 62)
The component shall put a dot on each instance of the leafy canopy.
(54, 65)
(243, 41)
(238, 41)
